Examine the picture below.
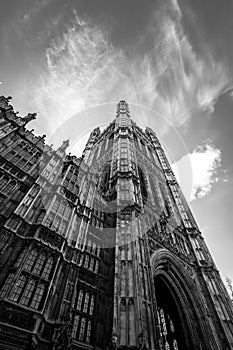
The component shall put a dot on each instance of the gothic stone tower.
(102, 252)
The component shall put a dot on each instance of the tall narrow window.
(47, 269)
(86, 302)
(88, 336)
(18, 287)
(6, 285)
(96, 266)
(9, 187)
(80, 300)
(30, 260)
(82, 329)
(3, 239)
(61, 208)
(75, 326)
(86, 261)
(3, 182)
(39, 264)
(91, 267)
(67, 211)
(92, 305)
(28, 292)
(62, 227)
(35, 304)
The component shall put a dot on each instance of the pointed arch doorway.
(181, 316)
(172, 325)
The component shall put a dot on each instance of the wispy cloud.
(83, 68)
(173, 77)
(204, 162)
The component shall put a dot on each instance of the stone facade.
(102, 251)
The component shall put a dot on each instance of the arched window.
(96, 266)
(35, 304)
(89, 245)
(67, 211)
(39, 264)
(82, 329)
(40, 216)
(75, 326)
(6, 285)
(9, 187)
(13, 223)
(28, 292)
(86, 302)
(61, 208)
(47, 269)
(55, 205)
(17, 289)
(80, 300)
(81, 258)
(94, 248)
(4, 181)
(91, 267)
(86, 264)
(98, 250)
(92, 305)
(20, 257)
(56, 223)
(30, 260)
(88, 336)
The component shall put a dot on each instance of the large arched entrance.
(172, 325)
(182, 319)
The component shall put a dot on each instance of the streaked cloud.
(83, 68)
(205, 162)
(174, 78)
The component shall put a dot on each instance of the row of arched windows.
(61, 207)
(26, 203)
(7, 184)
(30, 286)
(5, 129)
(85, 302)
(28, 291)
(36, 262)
(82, 328)
(93, 248)
(57, 218)
(89, 262)
(71, 180)
(23, 156)
(8, 142)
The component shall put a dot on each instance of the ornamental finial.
(122, 107)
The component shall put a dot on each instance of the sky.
(171, 60)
